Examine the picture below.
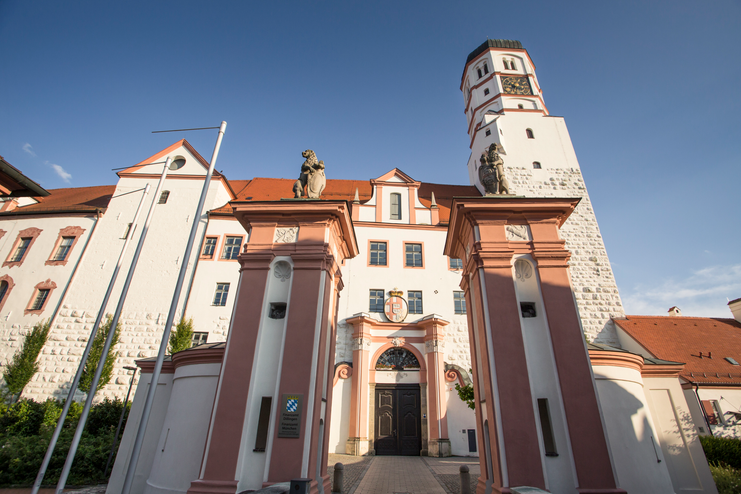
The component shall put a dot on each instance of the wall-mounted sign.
(396, 308)
(289, 424)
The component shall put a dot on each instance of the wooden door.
(398, 424)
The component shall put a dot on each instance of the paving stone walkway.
(399, 475)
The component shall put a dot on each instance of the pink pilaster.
(511, 456)
(358, 442)
(438, 441)
(325, 238)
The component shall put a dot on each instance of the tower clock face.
(516, 85)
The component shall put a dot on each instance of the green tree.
(181, 336)
(465, 393)
(22, 368)
(95, 352)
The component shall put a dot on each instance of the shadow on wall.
(640, 463)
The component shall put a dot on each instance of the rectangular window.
(414, 299)
(455, 263)
(126, 232)
(231, 248)
(198, 338)
(208, 247)
(413, 255)
(378, 253)
(64, 246)
(20, 251)
(459, 300)
(376, 301)
(222, 290)
(263, 424)
(549, 441)
(38, 302)
(163, 197)
(395, 206)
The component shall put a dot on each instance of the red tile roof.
(274, 189)
(77, 199)
(682, 339)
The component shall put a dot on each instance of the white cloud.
(703, 293)
(29, 149)
(62, 174)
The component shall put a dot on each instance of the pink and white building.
(370, 305)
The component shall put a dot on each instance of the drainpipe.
(702, 409)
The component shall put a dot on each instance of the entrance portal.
(398, 424)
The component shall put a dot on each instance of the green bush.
(722, 450)
(21, 456)
(19, 371)
(727, 479)
(103, 417)
(181, 336)
(96, 351)
(26, 428)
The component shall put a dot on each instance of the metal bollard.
(465, 480)
(300, 486)
(339, 478)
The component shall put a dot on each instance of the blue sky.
(648, 90)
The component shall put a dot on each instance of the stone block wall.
(141, 333)
(595, 290)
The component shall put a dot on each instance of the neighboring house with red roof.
(710, 349)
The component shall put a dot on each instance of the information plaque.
(289, 424)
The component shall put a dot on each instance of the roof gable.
(397, 176)
(195, 164)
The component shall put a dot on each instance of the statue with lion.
(312, 180)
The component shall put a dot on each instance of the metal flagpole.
(109, 340)
(120, 420)
(88, 347)
(168, 324)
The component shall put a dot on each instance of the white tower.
(504, 105)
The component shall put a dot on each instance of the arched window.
(3, 290)
(397, 359)
(506, 63)
(512, 64)
(395, 206)
(536, 165)
(530, 134)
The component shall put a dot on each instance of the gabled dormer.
(395, 199)
(186, 165)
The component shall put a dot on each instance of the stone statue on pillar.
(312, 177)
(491, 172)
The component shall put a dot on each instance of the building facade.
(402, 338)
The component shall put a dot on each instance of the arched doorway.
(398, 407)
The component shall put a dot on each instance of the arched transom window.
(397, 359)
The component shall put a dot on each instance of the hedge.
(27, 427)
(722, 450)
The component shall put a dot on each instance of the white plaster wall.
(541, 367)
(729, 400)
(151, 437)
(177, 458)
(151, 290)
(13, 323)
(460, 419)
(206, 316)
(338, 433)
(639, 463)
(387, 190)
(253, 466)
(678, 435)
